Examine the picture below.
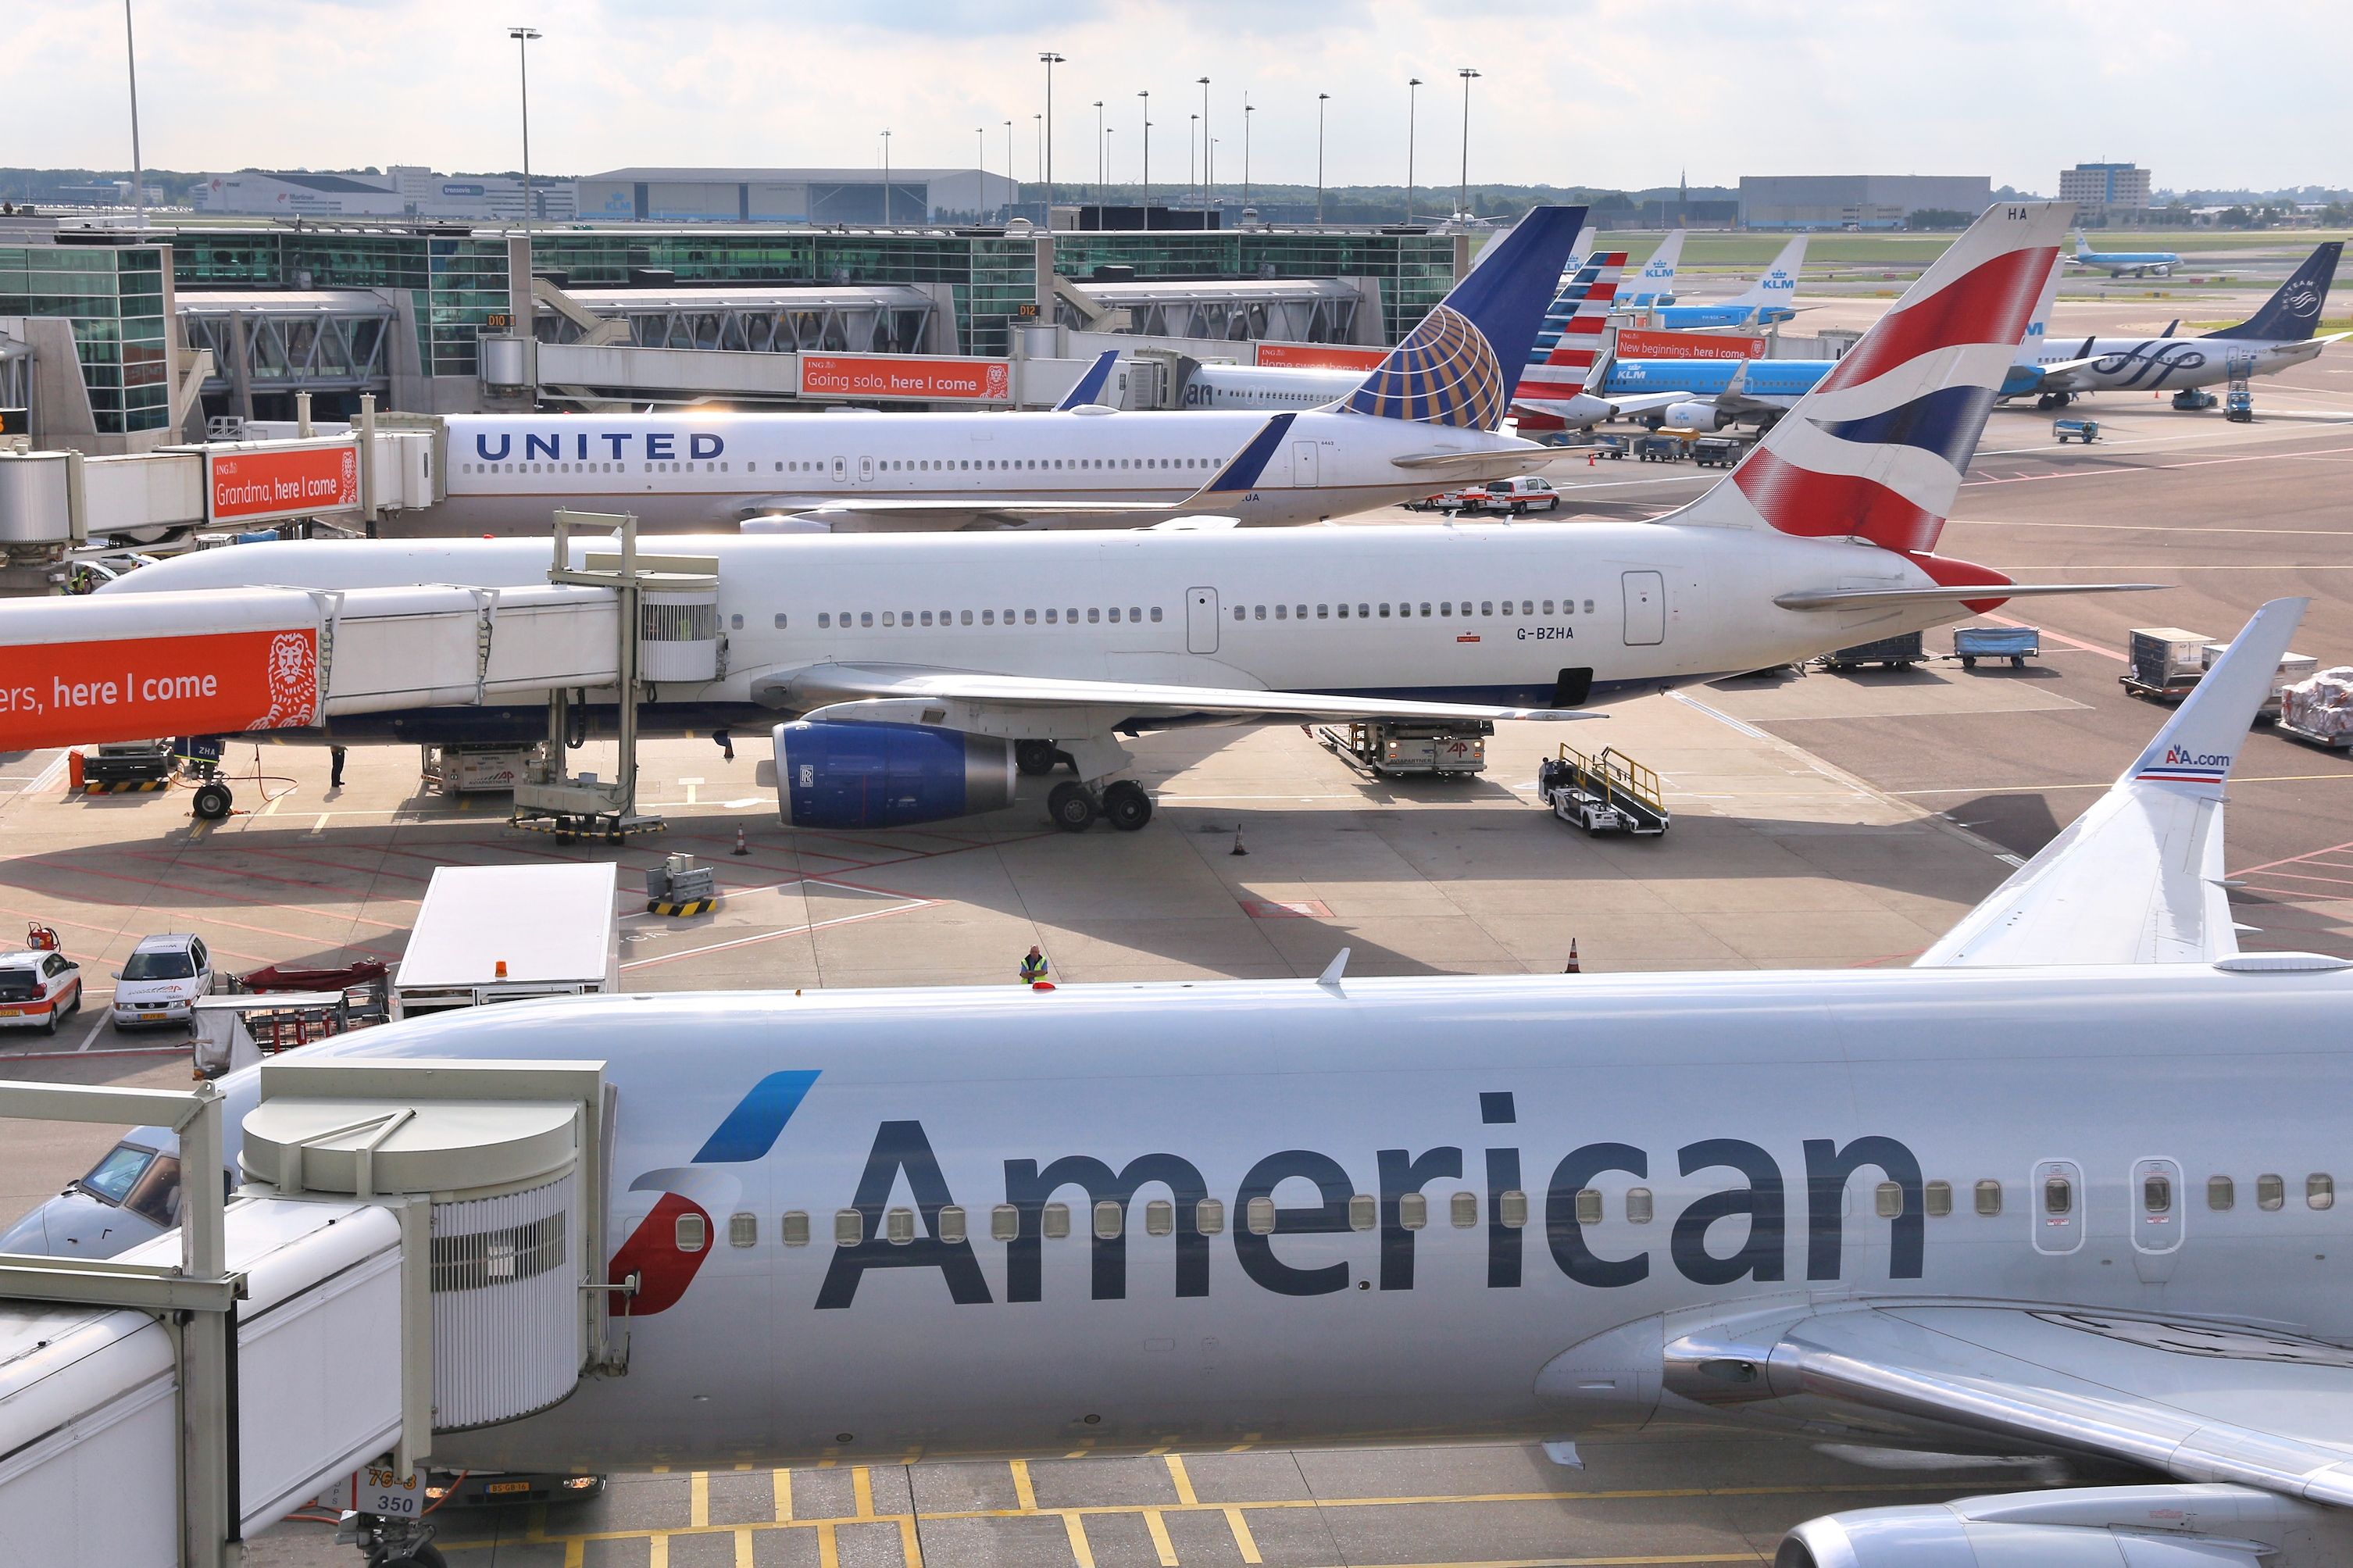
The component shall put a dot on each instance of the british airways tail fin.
(1779, 285)
(2291, 314)
(2137, 879)
(1089, 388)
(1452, 369)
(1875, 451)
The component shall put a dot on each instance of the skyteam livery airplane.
(2117, 263)
(2067, 1186)
(905, 676)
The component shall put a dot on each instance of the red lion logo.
(293, 670)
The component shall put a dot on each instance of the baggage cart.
(1659, 449)
(2084, 430)
(1717, 451)
(2015, 643)
(1897, 652)
(1382, 748)
(2163, 663)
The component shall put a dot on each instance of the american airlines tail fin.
(1876, 451)
(1779, 285)
(1450, 370)
(1565, 351)
(2291, 314)
(2137, 879)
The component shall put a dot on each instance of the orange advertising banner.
(1634, 344)
(283, 481)
(1320, 356)
(140, 688)
(941, 380)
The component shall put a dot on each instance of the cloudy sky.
(1607, 92)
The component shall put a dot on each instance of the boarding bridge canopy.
(1313, 310)
(751, 318)
(312, 340)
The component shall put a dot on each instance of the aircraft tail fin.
(1582, 252)
(2291, 313)
(1567, 350)
(2138, 877)
(1452, 369)
(1089, 388)
(1778, 285)
(2037, 325)
(2082, 247)
(1876, 451)
(1658, 274)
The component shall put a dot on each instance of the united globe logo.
(1445, 373)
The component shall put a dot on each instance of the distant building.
(401, 191)
(2105, 186)
(1856, 201)
(790, 195)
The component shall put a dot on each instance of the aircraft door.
(2056, 1200)
(865, 470)
(1646, 609)
(2159, 1212)
(1200, 620)
(841, 470)
(1304, 466)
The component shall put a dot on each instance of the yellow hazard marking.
(909, 1548)
(828, 1550)
(659, 1556)
(784, 1484)
(1244, 1542)
(1182, 1480)
(1080, 1550)
(698, 1498)
(1160, 1541)
(1023, 1493)
(744, 1549)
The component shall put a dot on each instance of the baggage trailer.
(2015, 643)
(1897, 652)
(1610, 793)
(487, 934)
(1388, 748)
(2163, 663)
(2294, 668)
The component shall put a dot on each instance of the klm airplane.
(1762, 304)
(2117, 263)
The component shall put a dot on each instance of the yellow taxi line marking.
(657, 1555)
(1081, 1552)
(1245, 1542)
(744, 1549)
(1160, 1541)
(576, 1553)
(697, 1498)
(828, 1550)
(1183, 1481)
(1023, 1493)
(911, 1550)
(861, 1486)
(784, 1484)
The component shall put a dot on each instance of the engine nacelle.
(841, 775)
(2160, 1526)
(1696, 416)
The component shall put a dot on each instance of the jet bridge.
(415, 1247)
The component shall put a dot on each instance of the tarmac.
(1820, 820)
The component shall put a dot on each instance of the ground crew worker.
(335, 768)
(1033, 968)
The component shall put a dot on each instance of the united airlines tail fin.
(1876, 451)
(1450, 369)
(2137, 879)
(2291, 314)
(1779, 286)
(1089, 388)
(1658, 274)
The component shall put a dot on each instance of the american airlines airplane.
(906, 676)
(1430, 415)
(2067, 1186)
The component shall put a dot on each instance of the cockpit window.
(156, 1196)
(158, 965)
(113, 1178)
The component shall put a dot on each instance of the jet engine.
(1696, 416)
(2090, 1527)
(832, 774)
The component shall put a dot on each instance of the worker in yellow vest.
(1033, 968)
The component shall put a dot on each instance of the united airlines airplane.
(2067, 1186)
(905, 676)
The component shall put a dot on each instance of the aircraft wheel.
(1072, 806)
(423, 1557)
(211, 802)
(1034, 758)
(1126, 806)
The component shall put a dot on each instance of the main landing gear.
(1122, 802)
(1036, 758)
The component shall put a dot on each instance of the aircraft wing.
(2137, 879)
(2065, 374)
(912, 687)
(2200, 1400)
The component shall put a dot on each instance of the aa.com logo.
(2176, 756)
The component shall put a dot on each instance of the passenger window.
(743, 1230)
(1887, 1200)
(780, 620)
(2156, 1194)
(1028, 618)
(1548, 607)
(1344, 612)
(1004, 1223)
(1425, 607)
(1640, 1205)
(1050, 618)
(1588, 607)
(1323, 611)
(1071, 616)
(1260, 1217)
(1989, 1196)
(1462, 1210)
(2222, 1192)
(1413, 1210)
(1258, 613)
(1056, 1219)
(1445, 606)
(1155, 612)
(988, 617)
(865, 617)
(1512, 1208)
(890, 617)
(898, 1226)
(2058, 1196)
(1209, 1216)
(1487, 607)
(1280, 611)
(1159, 1218)
(927, 618)
(1364, 1211)
(1095, 617)
(1114, 615)
(1240, 614)
(1588, 1206)
(1365, 611)
(2319, 1191)
(1939, 1199)
(690, 1233)
(1385, 612)
(966, 619)
(824, 619)
(950, 1226)
(2271, 1192)
(1110, 1219)
(849, 1227)
(796, 1227)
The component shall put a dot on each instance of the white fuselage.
(2121, 264)
(2164, 364)
(694, 470)
(1701, 1111)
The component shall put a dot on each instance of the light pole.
(1010, 177)
(1321, 99)
(1463, 202)
(1102, 153)
(1192, 164)
(886, 179)
(1208, 164)
(523, 37)
(1037, 123)
(1105, 196)
(980, 202)
(1412, 99)
(1247, 111)
(1146, 96)
(138, 165)
(1049, 60)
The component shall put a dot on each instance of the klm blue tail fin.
(2291, 314)
(1458, 367)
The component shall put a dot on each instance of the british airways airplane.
(905, 676)
(2117, 263)
(2066, 1186)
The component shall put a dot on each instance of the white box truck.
(504, 933)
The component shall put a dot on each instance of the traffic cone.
(1572, 969)
(1588, 457)
(741, 847)
(1238, 839)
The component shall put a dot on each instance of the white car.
(38, 990)
(1519, 496)
(160, 981)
